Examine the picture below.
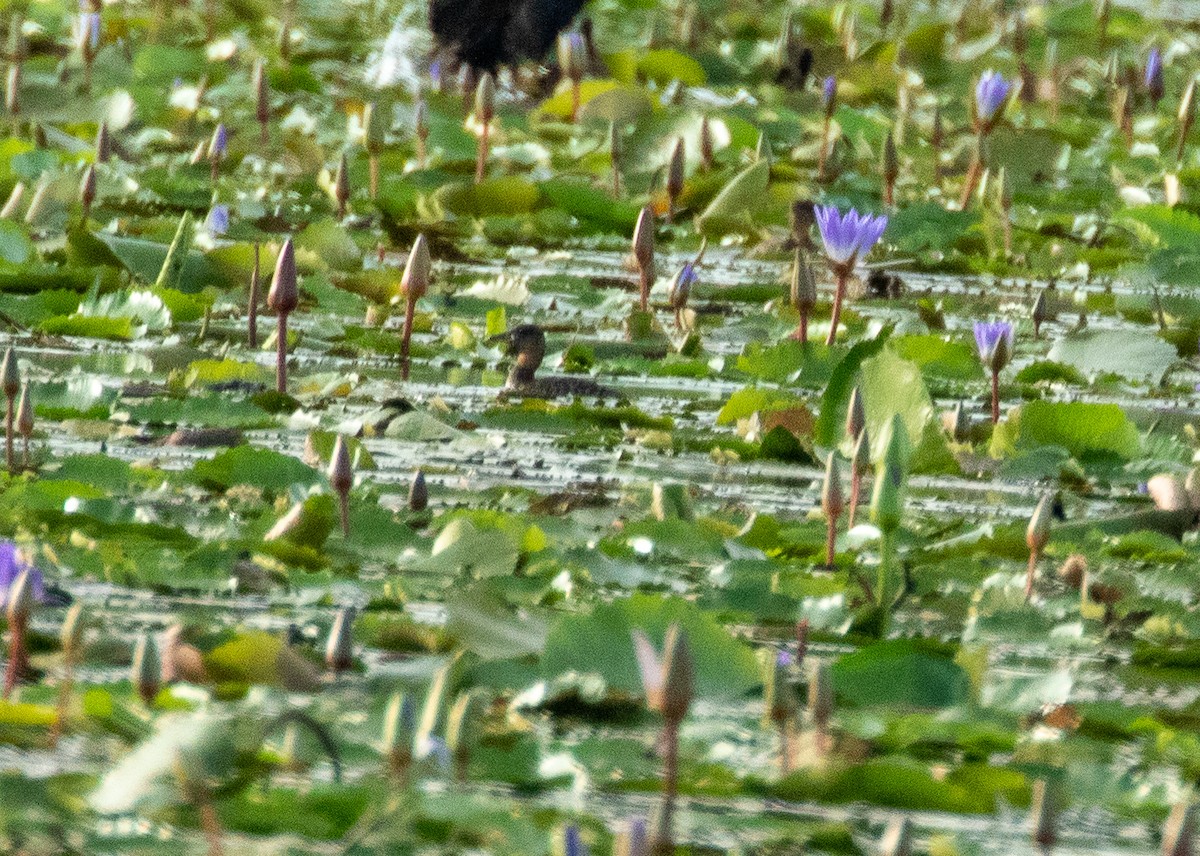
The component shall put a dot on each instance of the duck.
(486, 34)
(527, 342)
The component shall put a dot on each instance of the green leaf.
(734, 207)
(262, 468)
(1082, 428)
(664, 66)
(900, 673)
(601, 644)
(1137, 354)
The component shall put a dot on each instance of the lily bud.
(856, 414)
(13, 204)
(374, 128)
(960, 425)
(679, 675)
(887, 501)
(780, 703)
(1040, 312)
(1179, 831)
(1038, 533)
(675, 171)
(262, 93)
(762, 150)
(341, 474)
(284, 295)
(820, 693)
(10, 374)
(341, 185)
(103, 144)
(219, 143)
(12, 90)
(1187, 105)
(70, 635)
(87, 187)
(20, 598)
(465, 720)
(146, 670)
(706, 143)
(418, 493)
(681, 286)
(415, 280)
(572, 56)
(833, 502)
(804, 286)
(897, 838)
(1043, 814)
(643, 239)
(25, 414)
(421, 120)
(891, 160)
(631, 839)
(399, 729)
(1073, 570)
(485, 99)
(860, 463)
(339, 649)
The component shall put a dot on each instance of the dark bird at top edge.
(486, 34)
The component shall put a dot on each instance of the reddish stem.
(973, 176)
(645, 291)
(481, 159)
(831, 541)
(410, 309)
(855, 490)
(16, 655)
(995, 398)
(838, 296)
(374, 165)
(1034, 555)
(9, 415)
(252, 302)
(281, 354)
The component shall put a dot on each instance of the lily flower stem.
(575, 99)
(9, 416)
(974, 173)
(281, 354)
(420, 153)
(855, 491)
(65, 690)
(211, 824)
(16, 655)
(831, 541)
(646, 282)
(410, 308)
(838, 296)
(264, 133)
(785, 748)
(215, 170)
(252, 303)
(801, 334)
(1034, 557)
(995, 398)
(481, 159)
(665, 842)
(344, 513)
(823, 155)
(373, 162)
(887, 549)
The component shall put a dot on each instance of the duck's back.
(485, 34)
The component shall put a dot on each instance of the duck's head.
(527, 343)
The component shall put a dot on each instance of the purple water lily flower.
(784, 659)
(848, 236)
(828, 93)
(12, 565)
(1154, 75)
(217, 222)
(990, 95)
(989, 335)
